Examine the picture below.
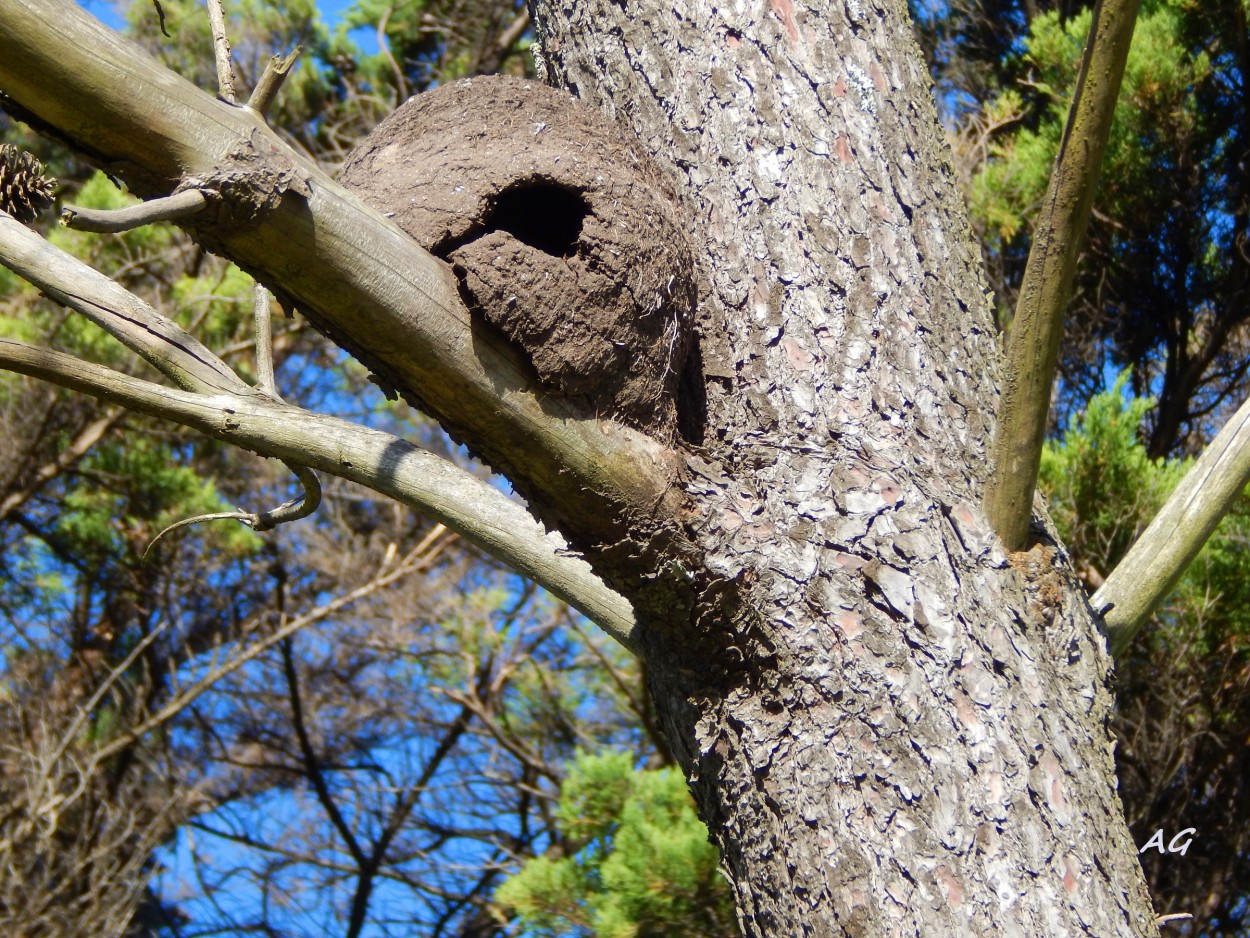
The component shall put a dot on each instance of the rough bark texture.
(893, 727)
(561, 232)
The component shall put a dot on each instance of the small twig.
(221, 51)
(264, 341)
(111, 221)
(297, 508)
(1174, 917)
(160, 12)
(276, 70)
(384, 46)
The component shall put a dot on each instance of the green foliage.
(1183, 686)
(1159, 284)
(640, 864)
(1102, 486)
(215, 300)
(140, 488)
(1157, 105)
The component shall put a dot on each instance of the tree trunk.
(891, 726)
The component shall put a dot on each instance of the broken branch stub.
(561, 231)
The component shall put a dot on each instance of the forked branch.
(343, 265)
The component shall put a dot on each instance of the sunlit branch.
(266, 90)
(110, 221)
(221, 50)
(162, 343)
(1173, 539)
(483, 515)
(264, 340)
(1033, 340)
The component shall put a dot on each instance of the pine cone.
(24, 190)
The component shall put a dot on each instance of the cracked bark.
(892, 726)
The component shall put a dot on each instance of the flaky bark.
(890, 728)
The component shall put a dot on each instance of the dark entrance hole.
(542, 215)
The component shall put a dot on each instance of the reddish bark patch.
(561, 231)
(785, 12)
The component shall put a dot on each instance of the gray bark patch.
(561, 231)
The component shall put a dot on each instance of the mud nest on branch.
(561, 231)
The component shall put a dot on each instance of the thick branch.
(182, 358)
(481, 514)
(1173, 539)
(343, 265)
(1033, 341)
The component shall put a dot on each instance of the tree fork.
(856, 783)
(891, 727)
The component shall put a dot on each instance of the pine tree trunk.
(891, 726)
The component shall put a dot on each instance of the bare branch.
(266, 90)
(352, 272)
(1033, 341)
(78, 447)
(1160, 556)
(418, 559)
(264, 341)
(483, 515)
(162, 343)
(179, 205)
(221, 50)
(311, 763)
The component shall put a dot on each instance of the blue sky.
(331, 13)
(106, 10)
